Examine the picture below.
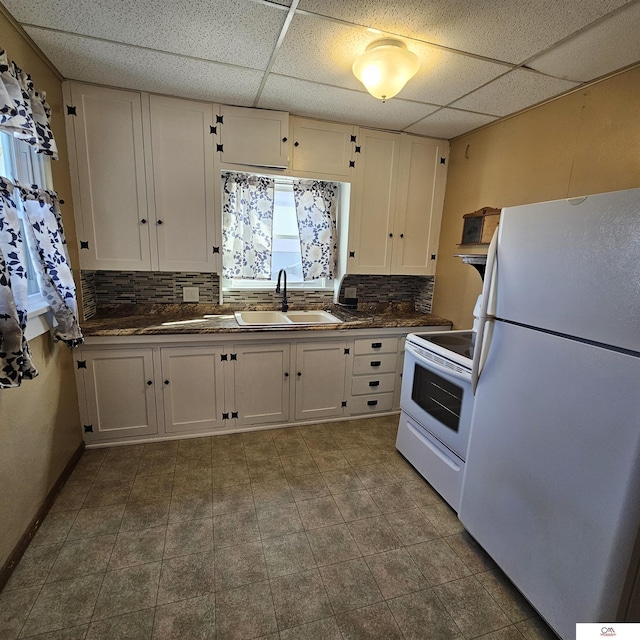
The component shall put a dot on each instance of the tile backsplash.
(112, 287)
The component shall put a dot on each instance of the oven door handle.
(433, 365)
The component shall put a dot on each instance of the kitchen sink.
(280, 318)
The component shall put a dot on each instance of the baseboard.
(34, 525)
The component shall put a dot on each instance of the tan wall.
(586, 142)
(39, 422)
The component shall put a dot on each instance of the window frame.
(28, 167)
(247, 285)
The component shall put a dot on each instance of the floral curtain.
(52, 262)
(247, 225)
(24, 111)
(15, 356)
(316, 213)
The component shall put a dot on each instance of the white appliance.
(437, 402)
(552, 479)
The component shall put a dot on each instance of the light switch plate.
(190, 294)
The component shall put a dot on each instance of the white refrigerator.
(552, 480)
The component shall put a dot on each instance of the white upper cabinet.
(182, 184)
(373, 204)
(255, 137)
(106, 145)
(397, 206)
(323, 149)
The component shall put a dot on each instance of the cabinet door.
(111, 210)
(320, 377)
(183, 183)
(322, 148)
(254, 137)
(261, 383)
(193, 388)
(371, 225)
(421, 184)
(120, 393)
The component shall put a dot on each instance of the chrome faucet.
(285, 306)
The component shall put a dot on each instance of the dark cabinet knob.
(299, 374)
(402, 235)
(143, 221)
(372, 403)
(375, 363)
(284, 139)
(376, 345)
(374, 383)
(149, 382)
(286, 374)
(159, 221)
(296, 144)
(391, 235)
(166, 382)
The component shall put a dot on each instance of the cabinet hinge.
(443, 161)
(71, 111)
(346, 351)
(352, 164)
(220, 147)
(213, 130)
(344, 403)
(433, 256)
(216, 249)
(234, 414)
(82, 364)
(223, 357)
(88, 428)
(352, 254)
(358, 149)
(234, 356)
(225, 416)
(219, 119)
(84, 244)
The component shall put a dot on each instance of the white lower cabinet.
(261, 383)
(120, 396)
(157, 387)
(192, 389)
(320, 376)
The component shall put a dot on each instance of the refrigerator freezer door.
(551, 487)
(573, 268)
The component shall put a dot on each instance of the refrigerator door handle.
(487, 293)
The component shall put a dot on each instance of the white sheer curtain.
(316, 204)
(247, 226)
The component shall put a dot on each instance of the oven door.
(437, 394)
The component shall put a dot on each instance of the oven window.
(438, 397)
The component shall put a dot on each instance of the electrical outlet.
(351, 292)
(190, 294)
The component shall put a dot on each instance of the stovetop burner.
(460, 342)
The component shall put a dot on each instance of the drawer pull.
(372, 403)
(375, 363)
(374, 383)
(376, 345)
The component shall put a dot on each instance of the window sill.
(39, 317)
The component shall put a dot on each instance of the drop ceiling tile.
(81, 58)
(606, 47)
(507, 31)
(514, 91)
(341, 105)
(323, 51)
(240, 32)
(449, 123)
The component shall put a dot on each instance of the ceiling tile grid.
(479, 60)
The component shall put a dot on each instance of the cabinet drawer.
(371, 404)
(376, 345)
(361, 385)
(383, 363)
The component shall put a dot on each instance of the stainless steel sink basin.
(279, 318)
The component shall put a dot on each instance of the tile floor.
(319, 532)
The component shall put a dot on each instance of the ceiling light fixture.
(385, 67)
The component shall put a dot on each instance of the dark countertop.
(158, 319)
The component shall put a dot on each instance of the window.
(285, 249)
(20, 163)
